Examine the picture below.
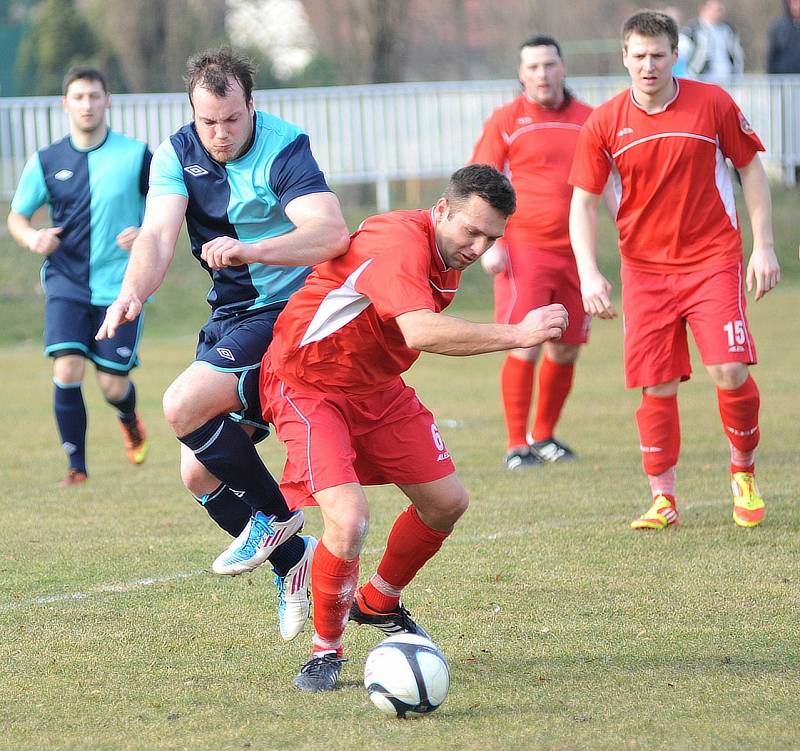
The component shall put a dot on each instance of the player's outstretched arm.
(763, 270)
(595, 288)
(320, 234)
(151, 255)
(428, 331)
(41, 241)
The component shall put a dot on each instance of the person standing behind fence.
(783, 51)
(94, 181)
(713, 50)
(259, 215)
(533, 140)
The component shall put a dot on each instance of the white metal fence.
(380, 133)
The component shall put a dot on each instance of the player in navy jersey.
(94, 182)
(259, 215)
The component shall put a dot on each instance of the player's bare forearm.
(763, 270)
(427, 331)
(595, 288)
(320, 233)
(755, 186)
(41, 241)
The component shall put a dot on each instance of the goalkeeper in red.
(665, 142)
(331, 384)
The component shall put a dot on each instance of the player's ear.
(441, 207)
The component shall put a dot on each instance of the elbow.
(340, 242)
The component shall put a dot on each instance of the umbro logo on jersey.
(195, 170)
(124, 351)
(63, 175)
(624, 132)
(226, 353)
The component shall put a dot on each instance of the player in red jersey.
(665, 142)
(331, 384)
(532, 140)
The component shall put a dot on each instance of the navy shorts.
(70, 327)
(236, 345)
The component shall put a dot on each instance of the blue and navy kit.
(93, 195)
(245, 199)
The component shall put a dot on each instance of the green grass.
(564, 629)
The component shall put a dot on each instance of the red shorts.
(332, 439)
(656, 309)
(535, 278)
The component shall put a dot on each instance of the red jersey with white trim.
(676, 206)
(338, 332)
(534, 147)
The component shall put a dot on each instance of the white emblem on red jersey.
(624, 132)
(745, 125)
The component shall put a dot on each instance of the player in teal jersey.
(94, 182)
(259, 215)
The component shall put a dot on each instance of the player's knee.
(460, 504)
(176, 404)
(729, 375)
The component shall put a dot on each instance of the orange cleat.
(74, 477)
(136, 443)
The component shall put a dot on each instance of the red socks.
(333, 587)
(659, 433)
(516, 389)
(738, 409)
(411, 544)
(555, 383)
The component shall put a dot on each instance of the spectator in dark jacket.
(783, 55)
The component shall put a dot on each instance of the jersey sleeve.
(295, 172)
(737, 139)
(166, 173)
(492, 147)
(396, 281)
(32, 190)
(144, 175)
(591, 164)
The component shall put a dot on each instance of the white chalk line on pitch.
(116, 588)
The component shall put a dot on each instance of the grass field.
(564, 630)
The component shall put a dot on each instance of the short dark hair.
(484, 181)
(542, 40)
(214, 69)
(650, 23)
(83, 73)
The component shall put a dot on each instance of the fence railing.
(380, 133)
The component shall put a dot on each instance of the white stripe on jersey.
(723, 180)
(662, 135)
(510, 138)
(338, 308)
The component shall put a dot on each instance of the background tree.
(59, 37)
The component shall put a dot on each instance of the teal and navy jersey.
(93, 195)
(244, 199)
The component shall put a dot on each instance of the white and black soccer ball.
(406, 675)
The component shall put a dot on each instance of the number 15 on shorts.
(737, 335)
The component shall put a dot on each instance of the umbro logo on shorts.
(195, 170)
(226, 353)
(63, 175)
(124, 351)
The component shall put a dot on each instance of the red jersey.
(338, 332)
(676, 207)
(534, 147)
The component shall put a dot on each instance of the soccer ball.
(406, 675)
